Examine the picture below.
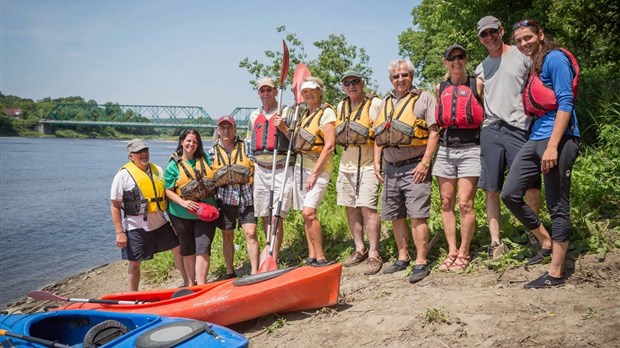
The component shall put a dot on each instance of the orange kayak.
(229, 302)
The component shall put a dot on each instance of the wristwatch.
(426, 164)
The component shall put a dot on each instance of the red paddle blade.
(45, 296)
(301, 72)
(285, 64)
(269, 264)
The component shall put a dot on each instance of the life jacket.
(148, 195)
(538, 98)
(356, 130)
(264, 137)
(404, 129)
(459, 106)
(308, 135)
(194, 184)
(233, 169)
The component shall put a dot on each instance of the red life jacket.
(538, 98)
(459, 106)
(264, 137)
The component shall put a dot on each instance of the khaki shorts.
(262, 185)
(401, 197)
(457, 162)
(309, 199)
(368, 189)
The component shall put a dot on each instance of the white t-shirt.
(124, 182)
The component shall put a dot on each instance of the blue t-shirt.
(558, 74)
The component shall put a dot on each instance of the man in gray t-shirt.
(505, 128)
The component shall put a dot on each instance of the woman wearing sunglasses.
(549, 97)
(459, 113)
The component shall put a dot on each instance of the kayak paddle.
(47, 296)
(46, 343)
(283, 76)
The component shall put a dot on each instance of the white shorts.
(309, 199)
(262, 188)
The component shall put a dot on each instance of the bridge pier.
(45, 128)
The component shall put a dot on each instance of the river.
(55, 209)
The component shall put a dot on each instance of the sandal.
(461, 263)
(447, 262)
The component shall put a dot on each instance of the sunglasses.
(397, 76)
(461, 56)
(353, 82)
(524, 23)
(488, 32)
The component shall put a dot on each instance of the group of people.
(515, 114)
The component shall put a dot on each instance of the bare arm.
(422, 169)
(189, 205)
(550, 156)
(121, 237)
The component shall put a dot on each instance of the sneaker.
(397, 266)
(373, 266)
(309, 261)
(496, 250)
(356, 258)
(545, 281)
(321, 263)
(539, 257)
(419, 272)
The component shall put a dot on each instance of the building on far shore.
(13, 112)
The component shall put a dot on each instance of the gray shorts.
(368, 189)
(230, 215)
(499, 145)
(457, 162)
(401, 197)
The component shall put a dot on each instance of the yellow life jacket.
(400, 126)
(355, 129)
(233, 169)
(149, 194)
(308, 135)
(194, 184)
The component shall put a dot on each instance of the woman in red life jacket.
(459, 113)
(551, 149)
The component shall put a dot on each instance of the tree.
(335, 57)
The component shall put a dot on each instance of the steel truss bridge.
(115, 115)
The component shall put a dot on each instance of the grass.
(595, 207)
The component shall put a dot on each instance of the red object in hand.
(206, 212)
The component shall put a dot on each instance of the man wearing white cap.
(268, 130)
(505, 128)
(142, 229)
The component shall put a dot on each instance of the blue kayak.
(88, 328)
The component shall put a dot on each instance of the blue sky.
(176, 52)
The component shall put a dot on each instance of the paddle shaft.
(286, 165)
(94, 300)
(47, 343)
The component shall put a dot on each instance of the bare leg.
(420, 239)
(543, 236)
(556, 267)
(314, 233)
(189, 263)
(279, 235)
(178, 262)
(251, 241)
(133, 275)
(202, 268)
(447, 191)
(372, 225)
(493, 215)
(229, 250)
(467, 194)
(356, 227)
(401, 235)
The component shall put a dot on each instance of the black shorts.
(195, 236)
(230, 215)
(142, 245)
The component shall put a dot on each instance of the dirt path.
(480, 308)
